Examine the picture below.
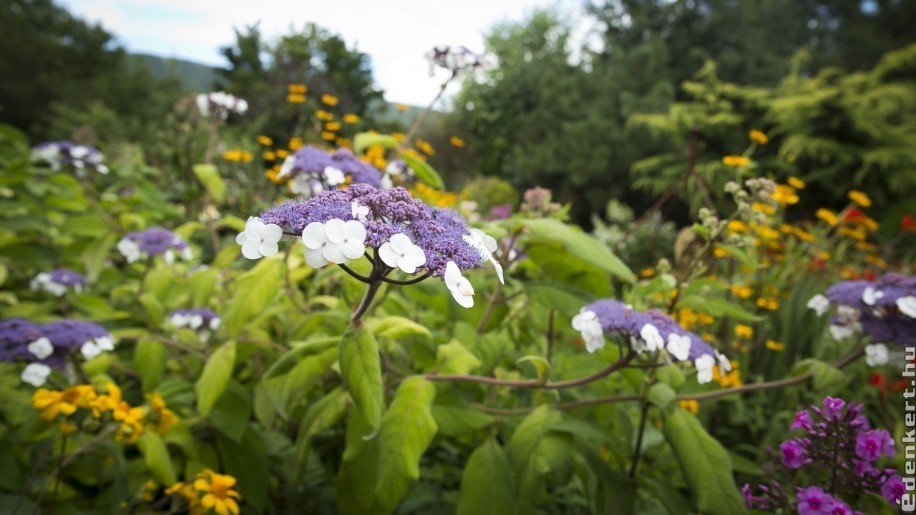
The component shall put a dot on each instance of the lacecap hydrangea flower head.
(457, 59)
(200, 320)
(47, 346)
(884, 309)
(155, 241)
(647, 331)
(403, 233)
(58, 282)
(219, 104)
(840, 451)
(314, 170)
(69, 155)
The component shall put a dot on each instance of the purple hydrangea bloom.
(793, 454)
(814, 501)
(57, 282)
(315, 170)
(198, 319)
(15, 336)
(871, 444)
(66, 154)
(438, 232)
(886, 307)
(893, 489)
(155, 241)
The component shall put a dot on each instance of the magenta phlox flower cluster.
(840, 450)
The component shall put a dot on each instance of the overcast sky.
(395, 34)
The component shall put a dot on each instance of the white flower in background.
(679, 346)
(359, 212)
(302, 184)
(819, 303)
(386, 182)
(130, 250)
(876, 354)
(177, 320)
(203, 104)
(41, 348)
(907, 305)
(871, 295)
(90, 350)
(394, 168)
(195, 321)
(400, 252)
(35, 374)
(49, 153)
(587, 323)
(44, 281)
(214, 323)
(347, 240)
(654, 341)
(725, 366)
(704, 365)
(287, 167)
(485, 245)
(259, 239)
(460, 287)
(841, 332)
(847, 315)
(187, 254)
(333, 176)
(105, 343)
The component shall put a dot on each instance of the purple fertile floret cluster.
(156, 241)
(882, 320)
(68, 278)
(313, 161)
(617, 317)
(439, 232)
(66, 336)
(66, 154)
(840, 449)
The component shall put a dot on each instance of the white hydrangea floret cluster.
(35, 374)
(458, 285)
(336, 241)
(223, 102)
(259, 239)
(485, 245)
(587, 323)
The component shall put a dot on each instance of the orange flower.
(758, 137)
(330, 100)
(401, 107)
(456, 141)
(736, 161)
(350, 118)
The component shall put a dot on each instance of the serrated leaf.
(156, 457)
(215, 377)
(704, 463)
(487, 484)
(321, 414)
(364, 140)
(535, 450)
(454, 358)
(149, 361)
(361, 372)
(551, 232)
(208, 175)
(395, 327)
(423, 171)
(407, 429)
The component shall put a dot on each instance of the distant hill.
(193, 76)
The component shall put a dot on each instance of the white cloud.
(394, 34)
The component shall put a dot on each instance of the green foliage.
(490, 192)
(360, 370)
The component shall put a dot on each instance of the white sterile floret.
(130, 250)
(359, 212)
(203, 104)
(485, 245)
(819, 304)
(259, 239)
(871, 295)
(214, 323)
(400, 252)
(725, 366)
(387, 184)
(195, 321)
(41, 348)
(315, 239)
(187, 254)
(178, 321)
(876, 354)
(841, 332)
(460, 287)
(679, 346)
(106, 343)
(346, 240)
(651, 336)
(35, 374)
(304, 185)
(286, 167)
(588, 324)
(704, 365)
(90, 350)
(907, 305)
(393, 168)
(333, 176)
